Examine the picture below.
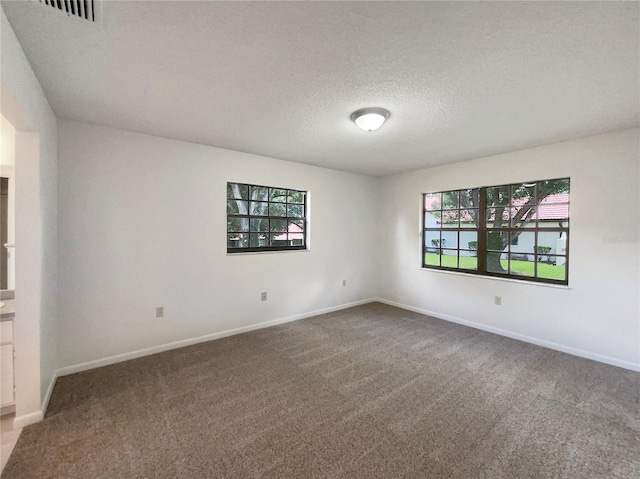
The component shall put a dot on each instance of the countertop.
(8, 311)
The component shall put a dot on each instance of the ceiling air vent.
(74, 8)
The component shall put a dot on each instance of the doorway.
(4, 226)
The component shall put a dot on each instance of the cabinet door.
(6, 371)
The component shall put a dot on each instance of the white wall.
(142, 223)
(142, 220)
(25, 106)
(599, 314)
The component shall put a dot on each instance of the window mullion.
(482, 231)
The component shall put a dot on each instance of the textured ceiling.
(461, 79)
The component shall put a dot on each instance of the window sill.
(494, 278)
(246, 253)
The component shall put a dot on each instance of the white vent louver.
(75, 8)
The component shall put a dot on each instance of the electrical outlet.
(344, 282)
(263, 296)
(498, 300)
(160, 312)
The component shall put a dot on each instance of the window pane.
(557, 270)
(553, 198)
(561, 243)
(521, 193)
(237, 224)
(545, 243)
(521, 264)
(469, 240)
(553, 215)
(260, 193)
(237, 190)
(277, 195)
(296, 230)
(258, 208)
(514, 237)
(277, 209)
(548, 244)
(547, 258)
(557, 188)
(449, 258)
(279, 240)
(468, 259)
(450, 200)
(523, 215)
(432, 201)
(259, 224)
(545, 253)
(257, 240)
(469, 218)
(497, 262)
(470, 198)
(295, 211)
(432, 241)
(526, 242)
(235, 207)
(432, 259)
(450, 239)
(497, 240)
(498, 196)
(432, 219)
(496, 259)
(450, 219)
(277, 225)
(498, 218)
(296, 196)
(235, 240)
(296, 225)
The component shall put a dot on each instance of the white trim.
(37, 416)
(27, 419)
(47, 397)
(76, 368)
(236, 253)
(496, 278)
(621, 363)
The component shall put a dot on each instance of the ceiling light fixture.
(370, 119)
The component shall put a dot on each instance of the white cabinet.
(6, 364)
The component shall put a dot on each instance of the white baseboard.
(521, 337)
(76, 368)
(47, 397)
(27, 419)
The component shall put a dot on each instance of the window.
(517, 231)
(264, 218)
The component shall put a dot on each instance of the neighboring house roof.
(553, 207)
(295, 232)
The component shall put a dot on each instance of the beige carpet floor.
(368, 392)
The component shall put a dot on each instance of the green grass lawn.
(524, 268)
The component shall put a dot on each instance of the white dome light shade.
(370, 119)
